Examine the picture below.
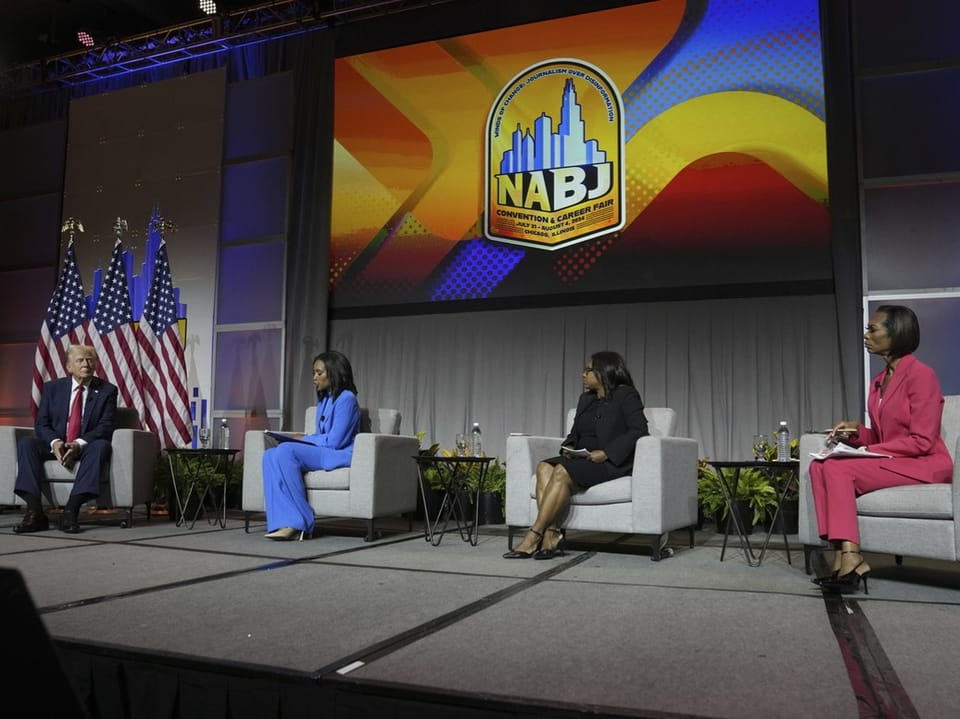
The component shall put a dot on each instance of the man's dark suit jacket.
(98, 412)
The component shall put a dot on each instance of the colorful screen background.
(726, 161)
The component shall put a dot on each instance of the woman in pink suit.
(905, 407)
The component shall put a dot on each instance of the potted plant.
(494, 494)
(756, 496)
(188, 469)
(428, 502)
(787, 522)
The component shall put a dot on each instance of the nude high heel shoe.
(287, 534)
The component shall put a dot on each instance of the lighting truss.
(205, 36)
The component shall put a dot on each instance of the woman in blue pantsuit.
(289, 516)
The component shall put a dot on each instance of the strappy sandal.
(517, 554)
(557, 551)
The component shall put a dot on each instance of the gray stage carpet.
(601, 631)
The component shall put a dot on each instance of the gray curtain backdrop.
(308, 244)
(730, 368)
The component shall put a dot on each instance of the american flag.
(166, 405)
(113, 335)
(65, 324)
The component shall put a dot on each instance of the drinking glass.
(761, 445)
(463, 445)
(204, 436)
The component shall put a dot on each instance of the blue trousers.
(284, 493)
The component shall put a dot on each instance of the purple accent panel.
(31, 231)
(939, 319)
(248, 370)
(17, 362)
(251, 132)
(29, 292)
(909, 123)
(889, 37)
(251, 283)
(255, 199)
(911, 236)
(33, 160)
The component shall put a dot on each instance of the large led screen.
(631, 153)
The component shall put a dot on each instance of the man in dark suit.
(74, 425)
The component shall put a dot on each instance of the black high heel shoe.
(826, 577)
(557, 551)
(517, 554)
(848, 583)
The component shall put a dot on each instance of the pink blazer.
(906, 423)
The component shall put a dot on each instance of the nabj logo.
(554, 157)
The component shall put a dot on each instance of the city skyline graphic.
(544, 149)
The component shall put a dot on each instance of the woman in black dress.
(608, 423)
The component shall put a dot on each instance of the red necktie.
(76, 414)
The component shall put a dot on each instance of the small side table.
(453, 473)
(781, 474)
(190, 464)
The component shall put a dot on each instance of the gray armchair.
(915, 521)
(381, 481)
(127, 483)
(659, 496)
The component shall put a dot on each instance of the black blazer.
(620, 423)
(98, 412)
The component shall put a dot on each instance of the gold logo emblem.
(554, 157)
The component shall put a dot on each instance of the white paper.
(845, 450)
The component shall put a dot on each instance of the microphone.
(876, 385)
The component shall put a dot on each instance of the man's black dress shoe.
(32, 522)
(69, 523)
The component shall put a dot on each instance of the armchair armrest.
(664, 477)
(133, 457)
(383, 475)
(255, 443)
(9, 436)
(807, 529)
(523, 454)
(956, 490)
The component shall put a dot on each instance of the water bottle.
(476, 446)
(224, 434)
(783, 443)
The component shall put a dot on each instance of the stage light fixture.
(208, 6)
(85, 39)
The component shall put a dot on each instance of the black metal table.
(454, 473)
(194, 467)
(780, 474)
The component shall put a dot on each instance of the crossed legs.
(554, 487)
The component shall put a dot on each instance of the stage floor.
(603, 631)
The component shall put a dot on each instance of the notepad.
(567, 452)
(281, 437)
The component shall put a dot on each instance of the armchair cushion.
(927, 501)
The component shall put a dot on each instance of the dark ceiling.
(32, 30)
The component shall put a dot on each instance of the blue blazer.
(98, 411)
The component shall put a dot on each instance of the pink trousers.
(836, 484)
